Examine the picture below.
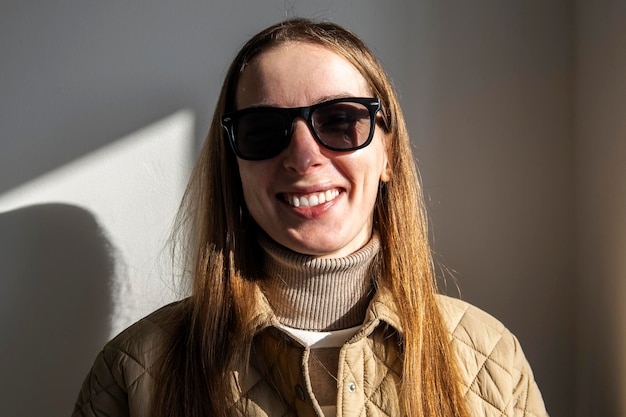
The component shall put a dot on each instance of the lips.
(311, 199)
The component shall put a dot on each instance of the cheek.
(365, 176)
(250, 172)
(254, 179)
(379, 165)
(247, 176)
(385, 166)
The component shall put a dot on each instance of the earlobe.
(385, 175)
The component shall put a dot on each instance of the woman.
(313, 290)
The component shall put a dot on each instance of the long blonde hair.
(220, 245)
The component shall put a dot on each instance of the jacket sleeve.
(102, 393)
(528, 401)
(497, 378)
(121, 381)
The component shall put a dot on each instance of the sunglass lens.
(343, 125)
(261, 135)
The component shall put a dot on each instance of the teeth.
(312, 200)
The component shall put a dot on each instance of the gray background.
(516, 109)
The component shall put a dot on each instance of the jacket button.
(351, 387)
(300, 392)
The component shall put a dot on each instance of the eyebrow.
(334, 96)
(319, 100)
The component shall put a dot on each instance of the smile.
(311, 200)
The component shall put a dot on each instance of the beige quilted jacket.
(497, 378)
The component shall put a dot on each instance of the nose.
(303, 153)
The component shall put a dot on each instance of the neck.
(312, 293)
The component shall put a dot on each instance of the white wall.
(83, 256)
(488, 91)
(131, 188)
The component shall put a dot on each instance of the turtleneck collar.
(313, 293)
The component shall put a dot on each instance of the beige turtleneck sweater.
(319, 294)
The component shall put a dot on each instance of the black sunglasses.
(342, 125)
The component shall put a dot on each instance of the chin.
(306, 248)
(330, 251)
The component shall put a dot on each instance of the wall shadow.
(56, 269)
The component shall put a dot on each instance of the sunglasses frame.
(229, 120)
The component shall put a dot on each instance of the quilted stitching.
(377, 397)
(374, 366)
(351, 374)
(253, 397)
(139, 369)
(497, 379)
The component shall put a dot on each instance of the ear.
(385, 176)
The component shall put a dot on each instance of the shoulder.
(497, 377)
(469, 323)
(122, 377)
(135, 350)
(148, 334)
(477, 337)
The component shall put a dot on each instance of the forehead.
(298, 74)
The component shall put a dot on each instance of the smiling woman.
(306, 237)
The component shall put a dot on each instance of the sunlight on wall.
(132, 187)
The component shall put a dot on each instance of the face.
(310, 199)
